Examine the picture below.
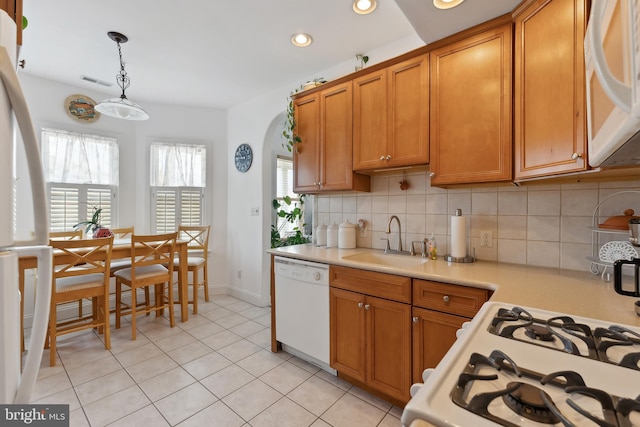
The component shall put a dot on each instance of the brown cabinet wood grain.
(439, 310)
(391, 116)
(470, 110)
(323, 160)
(433, 334)
(550, 120)
(389, 286)
(370, 336)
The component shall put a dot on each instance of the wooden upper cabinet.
(391, 116)
(14, 10)
(323, 160)
(470, 110)
(550, 120)
(306, 154)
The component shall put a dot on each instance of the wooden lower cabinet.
(433, 334)
(439, 310)
(371, 341)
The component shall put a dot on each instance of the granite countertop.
(565, 291)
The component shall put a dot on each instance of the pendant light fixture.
(121, 108)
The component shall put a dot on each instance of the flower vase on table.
(100, 232)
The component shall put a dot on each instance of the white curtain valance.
(76, 158)
(178, 165)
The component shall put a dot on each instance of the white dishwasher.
(302, 309)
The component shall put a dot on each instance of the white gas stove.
(520, 366)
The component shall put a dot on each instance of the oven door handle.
(617, 276)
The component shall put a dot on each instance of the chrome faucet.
(399, 247)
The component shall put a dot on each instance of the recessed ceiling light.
(363, 7)
(446, 4)
(301, 40)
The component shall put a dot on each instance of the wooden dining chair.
(65, 235)
(68, 235)
(151, 265)
(83, 274)
(121, 234)
(197, 238)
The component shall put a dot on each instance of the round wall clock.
(244, 157)
(81, 107)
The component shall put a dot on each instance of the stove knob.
(445, 298)
(426, 373)
(414, 389)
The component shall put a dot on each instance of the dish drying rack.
(603, 257)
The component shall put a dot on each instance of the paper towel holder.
(464, 259)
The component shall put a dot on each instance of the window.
(81, 171)
(284, 188)
(178, 180)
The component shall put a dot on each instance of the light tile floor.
(214, 370)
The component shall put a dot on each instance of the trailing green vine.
(291, 138)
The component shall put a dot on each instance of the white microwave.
(612, 59)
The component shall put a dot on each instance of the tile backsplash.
(536, 224)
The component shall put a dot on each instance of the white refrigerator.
(16, 384)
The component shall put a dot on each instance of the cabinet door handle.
(445, 298)
(576, 156)
(388, 157)
(415, 319)
(360, 305)
(432, 174)
(367, 306)
(381, 157)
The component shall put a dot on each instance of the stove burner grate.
(531, 401)
(596, 343)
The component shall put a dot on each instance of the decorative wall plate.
(82, 108)
(615, 250)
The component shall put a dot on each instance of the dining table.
(121, 250)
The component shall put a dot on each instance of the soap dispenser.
(433, 248)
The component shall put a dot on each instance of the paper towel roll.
(458, 236)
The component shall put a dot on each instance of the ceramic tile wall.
(536, 224)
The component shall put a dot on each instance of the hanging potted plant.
(93, 225)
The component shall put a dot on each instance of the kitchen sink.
(389, 260)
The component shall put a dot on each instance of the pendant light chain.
(122, 78)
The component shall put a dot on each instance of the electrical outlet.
(255, 211)
(239, 274)
(486, 239)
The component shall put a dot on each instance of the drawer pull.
(415, 319)
(445, 298)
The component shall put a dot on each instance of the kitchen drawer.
(389, 286)
(454, 299)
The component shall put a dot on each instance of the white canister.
(332, 235)
(321, 235)
(347, 235)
